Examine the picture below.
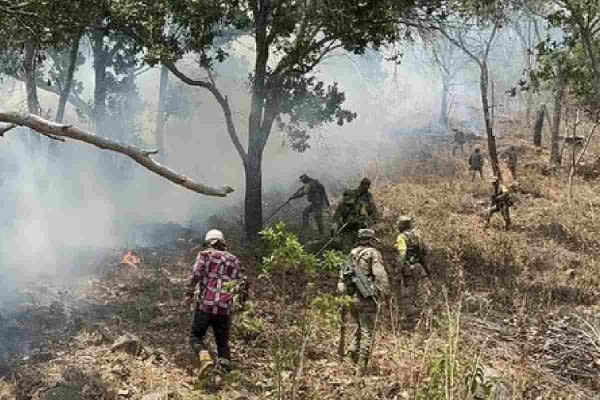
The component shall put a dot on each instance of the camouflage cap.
(303, 177)
(367, 234)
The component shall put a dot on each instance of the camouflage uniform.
(511, 161)
(317, 199)
(459, 141)
(500, 202)
(476, 162)
(364, 311)
(365, 204)
(411, 262)
(347, 219)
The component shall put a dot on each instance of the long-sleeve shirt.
(218, 273)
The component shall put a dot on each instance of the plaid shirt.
(213, 269)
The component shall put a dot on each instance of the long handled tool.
(276, 211)
(332, 238)
(343, 322)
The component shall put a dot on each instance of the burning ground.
(515, 312)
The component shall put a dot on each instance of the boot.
(206, 362)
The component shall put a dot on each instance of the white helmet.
(214, 235)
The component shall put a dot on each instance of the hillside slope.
(513, 312)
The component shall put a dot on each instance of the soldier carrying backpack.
(413, 268)
(363, 277)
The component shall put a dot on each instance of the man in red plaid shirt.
(220, 276)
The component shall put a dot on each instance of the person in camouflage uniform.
(459, 141)
(511, 161)
(476, 162)
(500, 202)
(411, 252)
(365, 204)
(347, 221)
(317, 199)
(367, 259)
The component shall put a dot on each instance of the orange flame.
(130, 259)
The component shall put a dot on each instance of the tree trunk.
(484, 82)
(253, 199)
(529, 95)
(33, 103)
(161, 117)
(66, 91)
(99, 82)
(559, 90)
(539, 125)
(444, 105)
(29, 67)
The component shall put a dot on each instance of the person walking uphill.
(364, 278)
(476, 161)
(317, 199)
(459, 141)
(511, 157)
(220, 276)
(413, 268)
(501, 202)
(365, 204)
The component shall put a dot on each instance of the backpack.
(416, 250)
(356, 281)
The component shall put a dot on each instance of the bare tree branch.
(223, 102)
(50, 128)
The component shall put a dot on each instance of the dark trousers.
(458, 146)
(220, 324)
(475, 171)
(317, 211)
(513, 170)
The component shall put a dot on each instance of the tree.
(161, 115)
(290, 39)
(571, 61)
(66, 64)
(474, 33)
(444, 58)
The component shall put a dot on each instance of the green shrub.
(285, 251)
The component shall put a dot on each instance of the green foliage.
(285, 251)
(326, 308)
(249, 324)
(333, 260)
(478, 384)
(574, 52)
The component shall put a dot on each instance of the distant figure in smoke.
(317, 199)
(459, 141)
(511, 160)
(476, 161)
(220, 276)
